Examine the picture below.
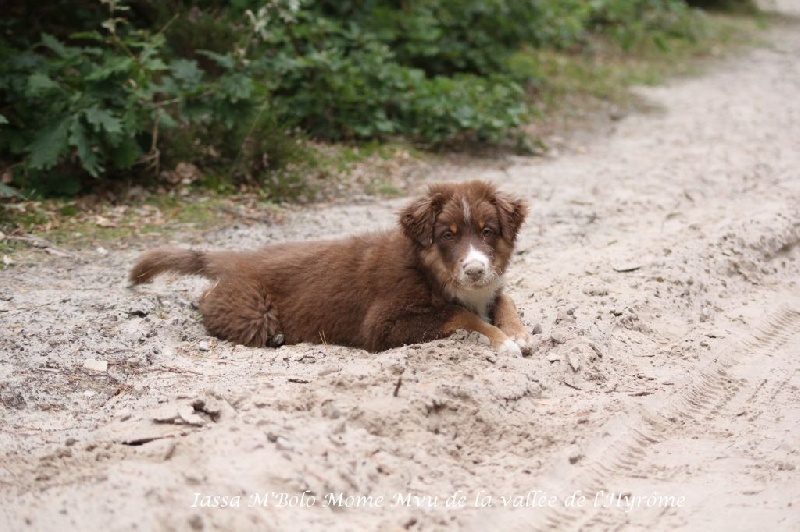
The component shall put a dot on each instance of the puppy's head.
(465, 231)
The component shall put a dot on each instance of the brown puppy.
(440, 271)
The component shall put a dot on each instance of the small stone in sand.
(95, 365)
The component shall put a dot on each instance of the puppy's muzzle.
(474, 268)
(474, 271)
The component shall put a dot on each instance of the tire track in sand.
(642, 449)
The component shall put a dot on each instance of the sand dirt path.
(661, 261)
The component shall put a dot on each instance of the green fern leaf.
(101, 119)
(225, 61)
(112, 67)
(89, 160)
(50, 143)
(187, 71)
(55, 45)
(39, 83)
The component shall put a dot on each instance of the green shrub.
(631, 23)
(68, 106)
(120, 91)
(100, 103)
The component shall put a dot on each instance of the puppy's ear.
(418, 217)
(512, 213)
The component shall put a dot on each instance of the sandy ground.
(661, 261)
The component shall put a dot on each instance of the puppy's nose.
(475, 270)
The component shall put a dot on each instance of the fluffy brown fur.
(440, 271)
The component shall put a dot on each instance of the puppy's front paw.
(524, 340)
(275, 340)
(509, 347)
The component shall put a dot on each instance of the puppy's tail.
(157, 261)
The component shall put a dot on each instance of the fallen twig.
(397, 386)
(572, 386)
(170, 369)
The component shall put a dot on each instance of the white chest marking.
(478, 300)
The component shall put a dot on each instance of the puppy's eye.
(487, 232)
(447, 235)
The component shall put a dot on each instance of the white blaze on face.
(476, 267)
(467, 212)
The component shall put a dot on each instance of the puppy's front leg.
(469, 321)
(506, 318)
(385, 328)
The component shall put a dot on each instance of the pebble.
(188, 415)
(329, 410)
(574, 359)
(95, 365)
(282, 444)
(327, 370)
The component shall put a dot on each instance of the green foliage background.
(94, 91)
